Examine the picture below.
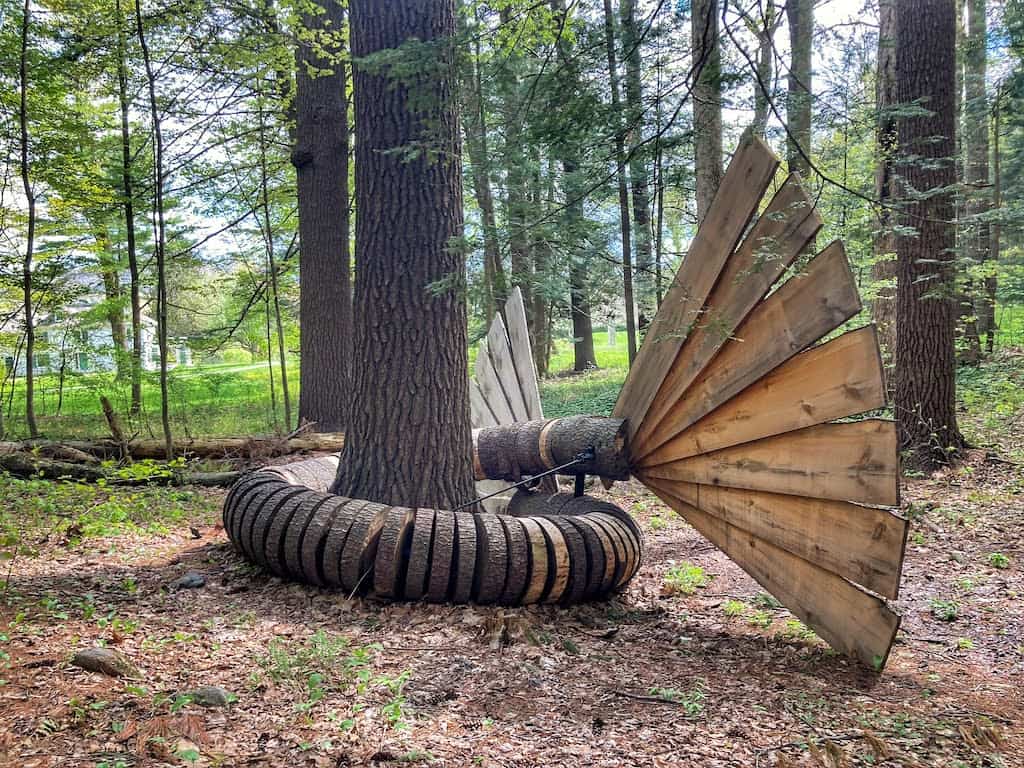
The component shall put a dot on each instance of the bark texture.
(320, 158)
(707, 104)
(883, 306)
(408, 440)
(926, 300)
(800, 14)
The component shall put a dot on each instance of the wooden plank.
(799, 313)
(480, 413)
(522, 356)
(853, 461)
(852, 621)
(864, 545)
(490, 387)
(498, 349)
(840, 378)
(782, 232)
(742, 187)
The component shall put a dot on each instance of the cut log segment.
(337, 536)
(360, 550)
(540, 577)
(419, 554)
(465, 557)
(518, 572)
(558, 559)
(781, 233)
(742, 187)
(850, 620)
(491, 558)
(312, 542)
(576, 585)
(799, 313)
(840, 378)
(441, 581)
(389, 564)
(852, 461)
(864, 545)
(288, 531)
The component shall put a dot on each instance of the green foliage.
(691, 701)
(945, 610)
(998, 560)
(685, 579)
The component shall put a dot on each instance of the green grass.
(233, 399)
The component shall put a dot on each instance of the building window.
(83, 361)
(8, 363)
(41, 361)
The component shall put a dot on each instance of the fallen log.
(29, 465)
(260, 447)
(512, 451)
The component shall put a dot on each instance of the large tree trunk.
(976, 172)
(925, 358)
(127, 184)
(160, 231)
(800, 14)
(707, 103)
(113, 294)
(638, 167)
(764, 31)
(408, 440)
(991, 284)
(30, 235)
(320, 158)
(620, 175)
(883, 271)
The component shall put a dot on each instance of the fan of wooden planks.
(735, 413)
(735, 416)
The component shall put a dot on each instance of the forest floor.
(691, 665)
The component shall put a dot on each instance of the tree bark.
(30, 199)
(765, 34)
(991, 280)
(113, 294)
(408, 440)
(707, 103)
(638, 167)
(620, 176)
(883, 271)
(475, 125)
(160, 231)
(976, 168)
(128, 203)
(800, 14)
(320, 157)
(925, 401)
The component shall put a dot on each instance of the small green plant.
(685, 579)
(964, 644)
(945, 610)
(734, 608)
(656, 523)
(797, 630)
(766, 601)
(759, 619)
(998, 560)
(691, 701)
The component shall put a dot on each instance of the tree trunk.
(540, 307)
(620, 174)
(475, 125)
(320, 158)
(113, 295)
(883, 306)
(30, 235)
(128, 203)
(800, 14)
(408, 440)
(638, 167)
(765, 33)
(991, 284)
(925, 401)
(707, 103)
(976, 171)
(160, 231)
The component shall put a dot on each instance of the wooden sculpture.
(730, 414)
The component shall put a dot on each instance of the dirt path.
(719, 677)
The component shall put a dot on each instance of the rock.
(210, 696)
(105, 661)
(190, 580)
